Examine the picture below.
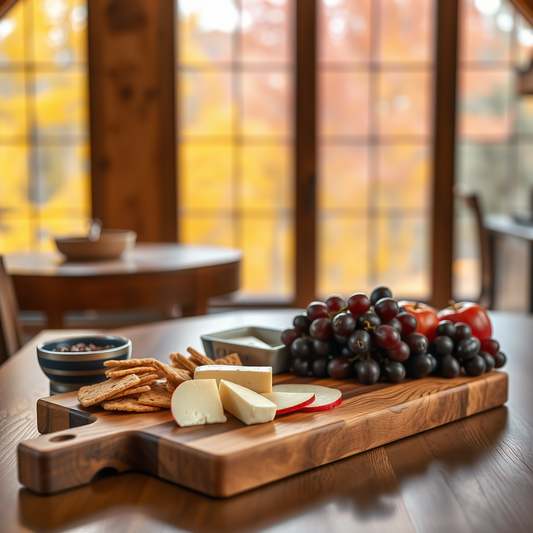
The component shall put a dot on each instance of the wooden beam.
(305, 151)
(526, 8)
(444, 151)
(132, 116)
(5, 6)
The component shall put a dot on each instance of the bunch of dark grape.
(364, 337)
(455, 347)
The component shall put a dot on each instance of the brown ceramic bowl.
(111, 244)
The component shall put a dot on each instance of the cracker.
(129, 370)
(221, 362)
(99, 392)
(198, 358)
(233, 359)
(180, 361)
(130, 362)
(158, 396)
(128, 404)
(145, 379)
(129, 392)
(170, 386)
(175, 375)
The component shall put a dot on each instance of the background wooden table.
(149, 276)
(472, 475)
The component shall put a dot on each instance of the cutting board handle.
(73, 457)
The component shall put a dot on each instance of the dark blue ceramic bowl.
(68, 371)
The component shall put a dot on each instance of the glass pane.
(406, 30)
(14, 176)
(484, 100)
(61, 180)
(400, 255)
(267, 244)
(525, 114)
(403, 103)
(205, 178)
(343, 258)
(344, 30)
(343, 103)
(15, 231)
(343, 178)
(59, 31)
(523, 196)
(485, 28)
(12, 104)
(205, 30)
(265, 181)
(206, 106)
(266, 99)
(404, 180)
(215, 230)
(265, 26)
(466, 262)
(483, 169)
(12, 35)
(61, 104)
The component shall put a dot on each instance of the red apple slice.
(326, 398)
(287, 402)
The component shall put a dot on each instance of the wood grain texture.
(226, 459)
(471, 475)
(132, 116)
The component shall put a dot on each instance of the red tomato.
(426, 316)
(472, 314)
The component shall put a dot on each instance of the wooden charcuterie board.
(222, 460)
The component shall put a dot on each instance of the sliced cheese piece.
(287, 402)
(245, 404)
(195, 403)
(250, 340)
(256, 378)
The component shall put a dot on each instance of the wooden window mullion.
(305, 151)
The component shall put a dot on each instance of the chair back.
(10, 328)
(471, 201)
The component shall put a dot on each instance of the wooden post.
(305, 151)
(444, 151)
(132, 117)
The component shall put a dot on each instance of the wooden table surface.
(151, 275)
(472, 475)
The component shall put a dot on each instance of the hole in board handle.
(104, 472)
(61, 438)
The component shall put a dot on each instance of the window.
(495, 125)
(374, 75)
(375, 72)
(235, 92)
(44, 152)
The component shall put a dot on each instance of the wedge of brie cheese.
(256, 378)
(245, 404)
(195, 403)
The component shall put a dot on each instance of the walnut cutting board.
(226, 459)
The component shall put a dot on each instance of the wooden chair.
(471, 201)
(10, 328)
